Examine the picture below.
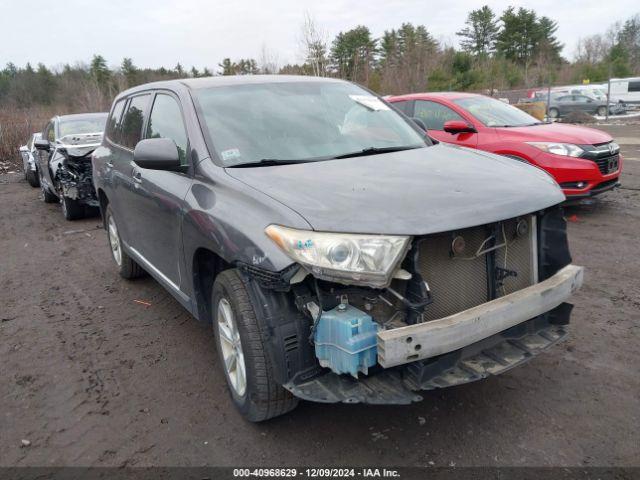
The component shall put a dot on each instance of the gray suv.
(339, 254)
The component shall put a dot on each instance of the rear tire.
(553, 113)
(72, 209)
(32, 178)
(127, 267)
(240, 335)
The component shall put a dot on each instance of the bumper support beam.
(426, 340)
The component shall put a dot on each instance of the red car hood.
(555, 132)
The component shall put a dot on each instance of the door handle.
(109, 164)
(137, 176)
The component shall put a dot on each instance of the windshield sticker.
(231, 154)
(370, 102)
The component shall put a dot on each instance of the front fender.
(228, 218)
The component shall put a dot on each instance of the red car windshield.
(494, 113)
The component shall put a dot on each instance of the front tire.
(127, 267)
(553, 113)
(72, 209)
(602, 111)
(240, 341)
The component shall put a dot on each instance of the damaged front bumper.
(74, 177)
(400, 385)
(429, 339)
(470, 345)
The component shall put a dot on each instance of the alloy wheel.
(114, 240)
(231, 346)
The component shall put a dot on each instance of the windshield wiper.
(376, 150)
(523, 125)
(268, 162)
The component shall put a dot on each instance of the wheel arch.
(104, 201)
(205, 266)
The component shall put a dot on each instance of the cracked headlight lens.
(565, 149)
(341, 257)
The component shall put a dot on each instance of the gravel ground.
(92, 377)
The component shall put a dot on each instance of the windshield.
(76, 126)
(494, 113)
(299, 121)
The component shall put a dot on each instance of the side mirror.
(42, 144)
(419, 123)
(458, 126)
(157, 154)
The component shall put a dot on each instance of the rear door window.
(434, 115)
(166, 121)
(133, 120)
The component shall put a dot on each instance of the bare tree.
(592, 49)
(269, 60)
(313, 43)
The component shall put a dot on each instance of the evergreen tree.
(548, 44)
(44, 90)
(406, 55)
(228, 67)
(129, 71)
(353, 54)
(629, 40)
(481, 32)
(100, 72)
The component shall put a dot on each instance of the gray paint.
(167, 217)
(415, 192)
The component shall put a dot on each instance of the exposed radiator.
(461, 281)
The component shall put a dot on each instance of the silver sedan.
(29, 163)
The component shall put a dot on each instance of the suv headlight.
(565, 149)
(340, 257)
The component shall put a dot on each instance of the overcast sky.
(201, 32)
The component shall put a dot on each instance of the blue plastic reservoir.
(345, 340)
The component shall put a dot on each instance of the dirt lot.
(91, 377)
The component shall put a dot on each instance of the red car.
(584, 161)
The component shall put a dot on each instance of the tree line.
(516, 48)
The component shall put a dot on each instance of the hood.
(80, 144)
(413, 192)
(556, 132)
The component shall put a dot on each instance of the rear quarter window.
(113, 124)
(403, 106)
(634, 86)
